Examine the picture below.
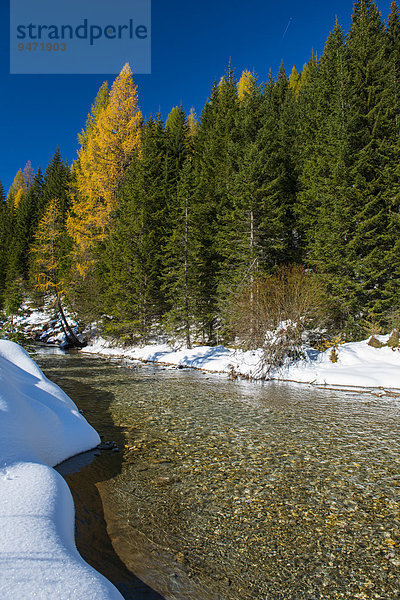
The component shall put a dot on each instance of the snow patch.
(40, 426)
(358, 363)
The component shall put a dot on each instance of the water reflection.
(86, 473)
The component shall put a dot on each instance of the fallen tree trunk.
(70, 335)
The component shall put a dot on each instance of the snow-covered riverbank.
(358, 364)
(40, 426)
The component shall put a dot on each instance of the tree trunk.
(71, 337)
(187, 320)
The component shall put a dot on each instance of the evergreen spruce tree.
(214, 168)
(278, 143)
(180, 261)
(176, 147)
(391, 174)
(27, 216)
(131, 257)
(57, 179)
(370, 148)
(325, 206)
(14, 240)
(239, 235)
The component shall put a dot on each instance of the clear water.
(236, 490)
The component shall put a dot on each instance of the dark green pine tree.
(257, 230)
(57, 183)
(278, 144)
(26, 219)
(393, 58)
(14, 288)
(176, 148)
(311, 112)
(325, 204)
(179, 259)
(3, 242)
(370, 129)
(239, 234)
(57, 180)
(131, 257)
(180, 262)
(214, 168)
(14, 235)
(391, 291)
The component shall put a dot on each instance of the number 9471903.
(42, 47)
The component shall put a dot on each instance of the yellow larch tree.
(16, 190)
(46, 251)
(113, 140)
(192, 122)
(99, 104)
(245, 84)
(47, 258)
(21, 184)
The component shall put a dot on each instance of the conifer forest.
(191, 227)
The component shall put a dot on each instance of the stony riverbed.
(242, 491)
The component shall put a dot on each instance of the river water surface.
(228, 490)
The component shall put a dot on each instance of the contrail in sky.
(287, 27)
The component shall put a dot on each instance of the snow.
(40, 426)
(42, 325)
(358, 363)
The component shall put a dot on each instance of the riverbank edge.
(359, 366)
(370, 364)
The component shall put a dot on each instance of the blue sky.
(191, 45)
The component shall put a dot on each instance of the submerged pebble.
(251, 492)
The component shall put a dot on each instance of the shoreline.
(359, 366)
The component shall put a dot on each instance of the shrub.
(394, 339)
(280, 313)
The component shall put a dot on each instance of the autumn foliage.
(111, 141)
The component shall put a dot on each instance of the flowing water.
(228, 490)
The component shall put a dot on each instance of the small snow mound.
(38, 421)
(17, 356)
(37, 514)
